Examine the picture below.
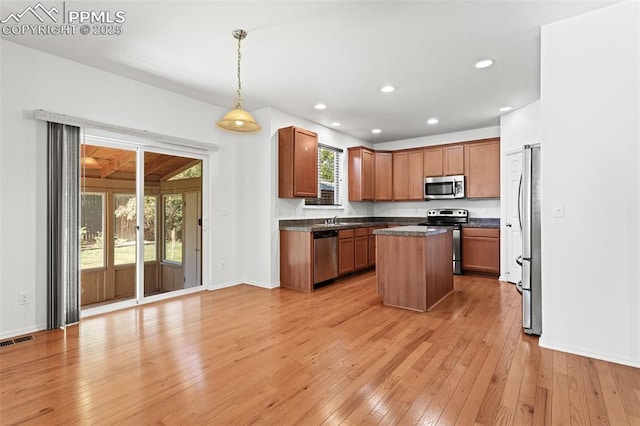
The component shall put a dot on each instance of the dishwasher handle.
(327, 233)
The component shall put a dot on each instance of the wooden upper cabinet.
(416, 175)
(400, 175)
(408, 175)
(483, 169)
(383, 169)
(433, 162)
(297, 163)
(444, 160)
(453, 160)
(361, 174)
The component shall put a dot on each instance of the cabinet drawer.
(361, 232)
(345, 233)
(481, 232)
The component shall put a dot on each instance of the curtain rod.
(43, 115)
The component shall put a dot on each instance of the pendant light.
(239, 120)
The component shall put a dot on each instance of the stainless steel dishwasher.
(325, 255)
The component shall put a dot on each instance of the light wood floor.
(336, 356)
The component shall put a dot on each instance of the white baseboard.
(22, 332)
(263, 285)
(234, 283)
(583, 352)
(222, 285)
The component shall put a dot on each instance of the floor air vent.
(21, 339)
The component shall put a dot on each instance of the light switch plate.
(558, 210)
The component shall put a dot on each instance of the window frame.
(338, 192)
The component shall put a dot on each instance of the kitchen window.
(329, 177)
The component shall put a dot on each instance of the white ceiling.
(340, 53)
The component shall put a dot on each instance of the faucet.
(331, 221)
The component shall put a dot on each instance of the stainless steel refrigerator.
(529, 214)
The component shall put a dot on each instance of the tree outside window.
(329, 178)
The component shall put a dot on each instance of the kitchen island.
(413, 266)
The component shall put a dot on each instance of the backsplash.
(295, 209)
(287, 208)
(477, 208)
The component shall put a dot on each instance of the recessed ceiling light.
(432, 121)
(485, 63)
(505, 109)
(320, 106)
(387, 89)
(336, 124)
(376, 131)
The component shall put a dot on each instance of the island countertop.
(412, 231)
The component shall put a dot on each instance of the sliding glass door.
(177, 181)
(123, 259)
(107, 225)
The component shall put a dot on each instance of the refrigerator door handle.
(520, 202)
(526, 275)
(519, 287)
(519, 260)
(526, 204)
(526, 310)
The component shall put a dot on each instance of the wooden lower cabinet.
(361, 248)
(345, 252)
(296, 260)
(372, 250)
(481, 250)
(353, 250)
(372, 245)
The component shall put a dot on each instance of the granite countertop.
(411, 231)
(482, 222)
(310, 225)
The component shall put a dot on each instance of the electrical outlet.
(23, 298)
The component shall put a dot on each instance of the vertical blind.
(329, 177)
(63, 193)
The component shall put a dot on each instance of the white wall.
(518, 128)
(590, 103)
(32, 80)
(477, 208)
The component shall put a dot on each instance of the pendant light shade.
(239, 120)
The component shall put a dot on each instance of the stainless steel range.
(453, 218)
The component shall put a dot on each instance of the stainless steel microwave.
(444, 187)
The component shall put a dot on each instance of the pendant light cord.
(239, 100)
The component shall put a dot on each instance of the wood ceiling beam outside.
(180, 170)
(116, 163)
(88, 150)
(153, 166)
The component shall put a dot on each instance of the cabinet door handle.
(508, 225)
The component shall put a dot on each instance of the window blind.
(329, 177)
